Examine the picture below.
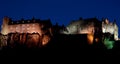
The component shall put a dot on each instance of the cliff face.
(29, 40)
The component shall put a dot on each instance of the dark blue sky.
(61, 11)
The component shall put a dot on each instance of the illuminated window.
(16, 28)
(27, 24)
(28, 28)
(23, 26)
(33, 25)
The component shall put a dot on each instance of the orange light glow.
(45, 40)
(90, 38)
(96, 39)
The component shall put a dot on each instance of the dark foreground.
(64, 47)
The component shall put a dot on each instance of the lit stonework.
(37, 26)
(92, 27)
(79, 27)
(5, 27)
(87, 26)
(24, 28)
(109, 27)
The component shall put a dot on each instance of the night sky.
(61, 11)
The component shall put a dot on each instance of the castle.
(22, 29)
(37, 33)
(97, 31)
(24, 26)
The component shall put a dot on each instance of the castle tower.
(116, 32)
(4, 26)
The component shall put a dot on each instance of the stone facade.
(32, 32)
(110, 27)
